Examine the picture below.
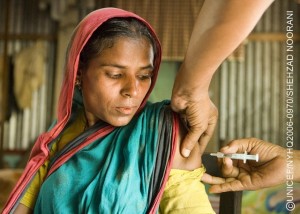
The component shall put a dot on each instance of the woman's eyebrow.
(112, 65)
(147, 67)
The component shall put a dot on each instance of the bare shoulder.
(193, 161)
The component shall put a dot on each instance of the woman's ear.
(78, 81)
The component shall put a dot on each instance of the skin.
(116, 82)
(269, 171)
(126, 70)
(220, 28)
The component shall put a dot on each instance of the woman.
(109, 151)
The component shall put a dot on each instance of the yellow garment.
(185, 193)
(71, 132)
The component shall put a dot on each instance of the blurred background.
(249, 89)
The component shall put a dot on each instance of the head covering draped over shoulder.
(80, 37)
(145, 134)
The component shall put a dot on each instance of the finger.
(228, 170)
(221, 162)
(239, 145)
(206, 136)
(190, 141)
(178, 105)
(233, 185)
(230, 148)
(209, 179)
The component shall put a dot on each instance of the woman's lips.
(126, 110)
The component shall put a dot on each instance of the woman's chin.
(120, 122)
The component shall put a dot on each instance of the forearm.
(220, 27)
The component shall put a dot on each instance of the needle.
(243, 157)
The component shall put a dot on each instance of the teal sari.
(122, 172)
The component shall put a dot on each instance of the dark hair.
(106, 34)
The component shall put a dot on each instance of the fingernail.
(225, 148)
(186, 152)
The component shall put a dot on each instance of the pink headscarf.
(80, 37)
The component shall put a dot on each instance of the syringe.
(243, 157)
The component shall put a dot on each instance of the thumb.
(189, 141)
(232, 147)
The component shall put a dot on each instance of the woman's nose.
(130, 87)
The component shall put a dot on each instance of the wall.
(252, 91)
(19, 35)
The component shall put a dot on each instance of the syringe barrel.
(243, 156)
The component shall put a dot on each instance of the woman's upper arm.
(193, 161)
(22, 209)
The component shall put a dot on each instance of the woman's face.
(116, 82)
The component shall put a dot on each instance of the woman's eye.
(114, 75)
(145, 76)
